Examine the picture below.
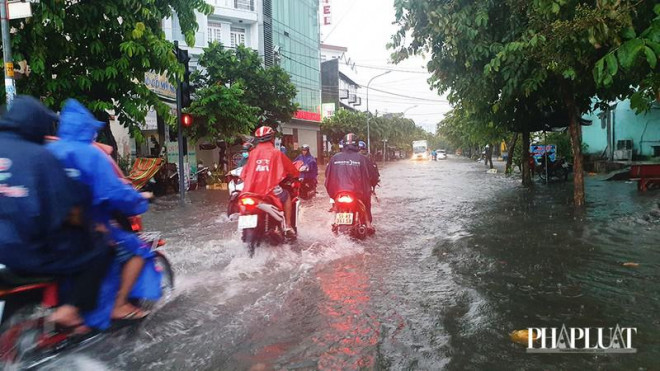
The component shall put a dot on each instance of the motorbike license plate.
(344, 218)
(247, 221)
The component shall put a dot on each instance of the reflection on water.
(461, 259)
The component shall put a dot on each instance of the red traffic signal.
(186, 120)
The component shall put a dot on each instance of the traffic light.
(186, 89)
(186, 120)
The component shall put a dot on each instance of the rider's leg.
(85, 288)
(129, 275)
(367, 206)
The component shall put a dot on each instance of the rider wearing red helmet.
(266, 168)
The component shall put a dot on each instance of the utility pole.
(179, 99)
(10, 88)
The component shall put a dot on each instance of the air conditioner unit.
(624, 150)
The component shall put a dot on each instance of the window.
(215, 32)
(237, 36)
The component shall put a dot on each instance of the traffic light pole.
(10, 88)
(182, 188)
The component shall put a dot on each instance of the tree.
(98, 52)
(236, 93)
(398, 131)
(540, 54)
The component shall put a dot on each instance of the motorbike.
(556, 169)
(201, 174)
(307, 188)
(262, 219)
(350, 216)
(27, 340)
(235, 187)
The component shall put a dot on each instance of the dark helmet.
(247, 146)
(350, 139)
(362, 145)
(264, 134)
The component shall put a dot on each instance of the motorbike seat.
(9, 279)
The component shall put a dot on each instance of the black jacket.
(348, 171)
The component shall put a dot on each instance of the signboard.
(151, 120)
(309, 116)
(327, 110)
(160, 85)
(537, 151)
(18, 10)
(327, 13)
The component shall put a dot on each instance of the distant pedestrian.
(489, 156)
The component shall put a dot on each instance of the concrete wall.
(643, 129)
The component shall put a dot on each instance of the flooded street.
(461, 258)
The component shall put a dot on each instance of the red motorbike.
(262, 217)
(27, 340)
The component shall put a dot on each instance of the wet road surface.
(461, 258)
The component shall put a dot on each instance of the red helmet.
(264, 134)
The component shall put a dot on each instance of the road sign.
(19, 10)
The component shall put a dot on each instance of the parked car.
(442, 154)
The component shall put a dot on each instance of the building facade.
(233, 22)
(338, 89)
(291, 40)
(619, 134)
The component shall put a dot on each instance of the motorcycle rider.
(311, 169)
(43, 218)
(266, 168)
(247, 147)
(374, 174)
(90, 166)
(350, 171)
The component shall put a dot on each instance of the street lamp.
(368, 132)
(408, 109)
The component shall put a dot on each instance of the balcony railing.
(236, 4)
(244, 4)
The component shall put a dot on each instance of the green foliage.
(464, 130)
(98, 52)
(635, 60)
(399, 132)
(237, 93)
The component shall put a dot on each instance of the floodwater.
(461, 258)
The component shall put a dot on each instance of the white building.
(232, 23)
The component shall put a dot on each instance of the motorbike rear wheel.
(251, 238)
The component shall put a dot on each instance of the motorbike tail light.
(247, 201)
(345, 199)
(161, 243)
(136, 224)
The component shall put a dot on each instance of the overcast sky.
(365, 28)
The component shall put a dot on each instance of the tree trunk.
(576, 145)
(509, 158)
(526, 174)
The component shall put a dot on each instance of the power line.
(411, 97)
(385, 68)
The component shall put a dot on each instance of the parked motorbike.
(235, 187)
(195, 179)
(27, 340)
(350, 216)
(262, 217)
(556, 169)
